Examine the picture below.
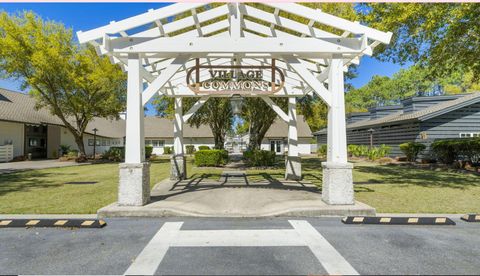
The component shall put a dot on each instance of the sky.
(86, 16)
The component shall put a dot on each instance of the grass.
(399, 189)
(388, 188)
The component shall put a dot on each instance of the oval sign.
(235, 79)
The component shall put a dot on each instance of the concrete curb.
(48, 216)
(414, 220)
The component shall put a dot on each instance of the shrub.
(211, 158)
(412, 150)
(449, 151)
(148, 151)
(203, 148)
(322, 150)
(358, 150)
(190, 149)
(115, 154)
(64, 149)
(167, 150)
(259, 158)
(72, 153)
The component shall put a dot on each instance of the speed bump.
(471, 218)
(398, 220)
(65, 223)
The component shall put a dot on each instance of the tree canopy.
(443, 37)
(73, 82)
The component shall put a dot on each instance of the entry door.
(36, 140)
(276, 146)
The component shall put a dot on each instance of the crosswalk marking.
(302, 234)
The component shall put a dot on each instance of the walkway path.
(34, 165)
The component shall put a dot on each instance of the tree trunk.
(81, 146)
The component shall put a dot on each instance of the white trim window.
(469, 135)
(155, 143)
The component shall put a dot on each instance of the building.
(416, 119)
(276, 138)
(39, 133)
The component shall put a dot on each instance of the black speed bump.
(399, 220)
(471, 218)
(64, 223)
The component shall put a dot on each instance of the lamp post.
(370, 131)
(94, 141)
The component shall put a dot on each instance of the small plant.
(190, 149)
(148, 151)
(412, 150)
(64, 149)
(72, 154)
(322, 151)
(115, 154)
(203, 148)
(167, 150)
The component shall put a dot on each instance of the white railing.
(6, 153)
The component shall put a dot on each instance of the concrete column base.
(178, 168)
(293, 168)
(337, 187)
(134, 186)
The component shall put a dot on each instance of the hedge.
(203, 148)
(322, 150)
(117, 154)
(259, 158)
(211, 158)
(450, 150)
(412, 150)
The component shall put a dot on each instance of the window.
(158, 143)
(32, 142)
(108, 142)
(97, 142)
(104, 142)
(469, 135)
(148, 142)
(90, 142)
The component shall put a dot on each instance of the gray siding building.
(417, 119)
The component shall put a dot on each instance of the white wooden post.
(293, 166)
(178, 162)
(337, 187)
(134, 186)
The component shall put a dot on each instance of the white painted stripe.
(330, 259)
(147, 262)
(302, 234)
(270, 237)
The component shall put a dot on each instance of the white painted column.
(178, 162)
(337, 185)
(134, 185)
(135, 142)
(293, 166)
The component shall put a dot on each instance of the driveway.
(33, 165)
(247, 246)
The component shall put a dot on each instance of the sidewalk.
(10, 167)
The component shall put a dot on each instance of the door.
(36, 141)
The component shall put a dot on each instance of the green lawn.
(389, 188)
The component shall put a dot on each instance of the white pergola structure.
(157, 48)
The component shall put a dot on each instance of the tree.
(74, 83)
(259, 117)
(442, 37)
(216, 113)
(413, 81)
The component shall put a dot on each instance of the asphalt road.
(242, 246)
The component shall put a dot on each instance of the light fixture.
(236, 102)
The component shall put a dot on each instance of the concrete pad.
(200, 198)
